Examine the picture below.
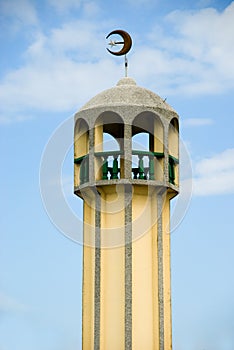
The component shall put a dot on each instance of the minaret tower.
(126, 192)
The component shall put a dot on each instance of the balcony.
(172, 163)
(110, 165)
(145, 161)
(145, 169)
(83, 163)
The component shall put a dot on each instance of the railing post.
(86, 168)
(115, 168)
(82, 171)
(105, 168)
(135, 173)
(151, 167)
(141, 167)
(171, 170)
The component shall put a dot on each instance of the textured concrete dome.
(127, 93)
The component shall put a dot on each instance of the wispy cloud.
(141, 2)
(214, 175)
(65, 5)
(21, 12)
(60, 72)
(196, 58)
(193, 122)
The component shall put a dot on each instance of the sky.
(53, 60)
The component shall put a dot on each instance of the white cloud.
(65, 5)
(193, 122)
(141, 2)
(12, 117)
(22, 12)
(68, 65)
(197, 55)
(62, 86)
(60, 72)
(215, 175)
(91, 9)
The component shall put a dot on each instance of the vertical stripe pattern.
(160, 273)
(128, 268)
(97, 286)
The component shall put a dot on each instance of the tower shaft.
(126, 287)
(126, 193)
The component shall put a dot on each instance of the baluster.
(151, 167)
(141, 168)
(171, 170)
(82, 171)
(115, 168)
(86, 169)
(135, 173)
(105, 168)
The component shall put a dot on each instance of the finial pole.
(126, 66)
(127, 44)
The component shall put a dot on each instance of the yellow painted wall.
(173, 146)
(98, 136)
(167, 273)
(144, 273)
(145, 309)
(88, 279)
(112, 272)
(81, 146)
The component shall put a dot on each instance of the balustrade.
(84, 168)
(171, 168)
(108, 158)
(110, 163)
(145, 169)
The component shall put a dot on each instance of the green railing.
(142, 171)
(110, 163)
(108, 171)
(84, 168)
(171, 168)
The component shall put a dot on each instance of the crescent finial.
(127, 42)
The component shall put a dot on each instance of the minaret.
(126, 194)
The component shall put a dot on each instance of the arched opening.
(140, 141)
(111, 148)
(147, 147)
(173, 150)
(81, 138)
(81, 150)
(108, 145)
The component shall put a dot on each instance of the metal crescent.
(127, 42)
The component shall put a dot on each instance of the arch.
(108, 146)
(81, 150)
(140, 141)
(173, 138)
(150, 123)
(110, 123)
(173, 151)
(81, 138)
(110, 143)
(150, 160)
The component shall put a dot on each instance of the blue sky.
(53, 59)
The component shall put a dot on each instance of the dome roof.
(127, 93)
